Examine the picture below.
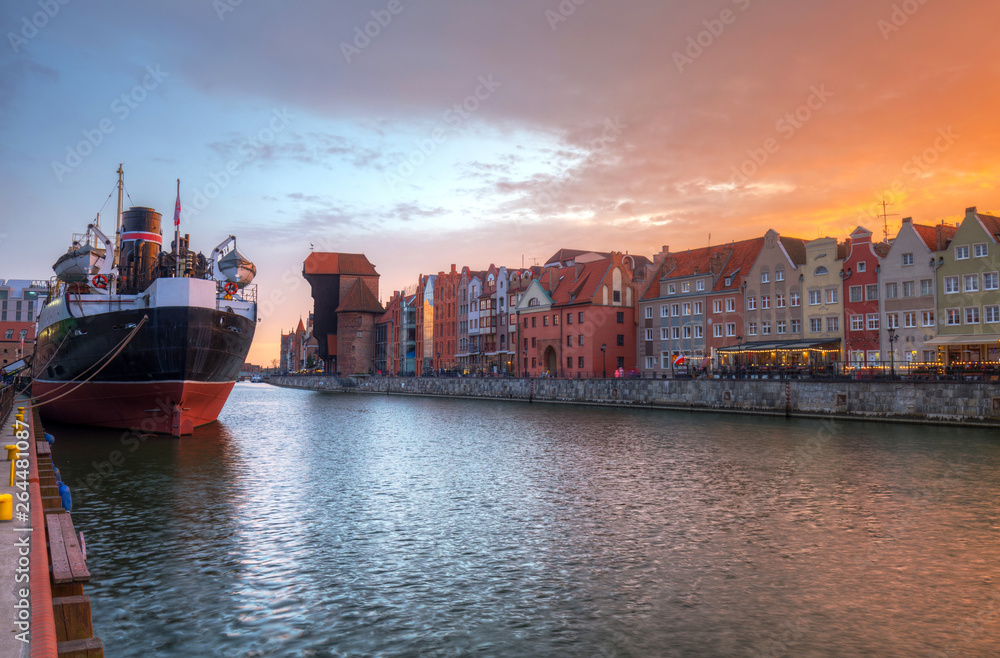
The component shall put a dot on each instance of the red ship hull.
(167, 407)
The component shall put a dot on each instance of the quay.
(962, 403)
(42, 558)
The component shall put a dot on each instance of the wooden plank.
(43, 448)
(89, 648)
(72, 617)
(77, 563)
(61, 572)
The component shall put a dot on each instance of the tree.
(310, 362)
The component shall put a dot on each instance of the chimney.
(578, 270)
(970, 211)
(453, 270)
(658, 258)
(907, 220)
(940, 237)
(553, 280)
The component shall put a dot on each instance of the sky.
(473, 132)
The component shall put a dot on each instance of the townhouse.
(862, 312)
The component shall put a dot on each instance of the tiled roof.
(572, 289)
(991, 223)
(389, 309)
(360, 299)
(796, 249)
(569, 254)
(744, 255)
(325, 262)
(682, 263)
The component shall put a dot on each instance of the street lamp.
(604, 360)
(892, 352)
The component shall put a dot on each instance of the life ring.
(101, 281)
(230, 288)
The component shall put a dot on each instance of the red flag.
(679, 361)
(177, 208)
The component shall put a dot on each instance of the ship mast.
(118, 225)
(177, 232)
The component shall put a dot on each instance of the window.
(650, 362)
(907, 259)
(950, 285)
(620, 340)
(891, 290)
(962, 252)
(796, 327)
(873, 321)
(579, 362)
(979, 250)
(909, 319)
(833, 323)
(717, 330)
(664, 333)
(971, 282)
(892, 320)
(751, 303)
(533, 342)
(699, 331)
(9, 334)
(648, 312)
(687, 332)
(663, 311)
(729, 281)
(907, 288)
(555, 319)
(533, 319)
(871, 291)
(671, 289)
(862, 265)
(765, 328)
(779, 275)
(781, 326)
(569, 339)
(991, 313)
(545, 320)
(579, 317)
(815, 325)
(675, 333)
(820, 271)
(717, 306)
(856, 293)
(569, 316)
(857, 322)
(620, 362)
(926, 286)
(579, 340)
(779, 301)
(730, 328)
(954, 317)
(699, 285)
(686, 286)
(831, 295)
(616, 296)
(794, 299)
(698, 308)
(765, 301)
(649, 334)
(990, 281)
(569, 363)
(687, 308)
(764, 277)
(534, 361)
(751, 328)
(927, 319)
(731, 305)
(675, 310)
(620, 317)
(971, 315)
(815, 297)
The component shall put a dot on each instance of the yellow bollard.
(12, 473)
(11, 452)
(6, 507)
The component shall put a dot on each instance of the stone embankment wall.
(964, 403)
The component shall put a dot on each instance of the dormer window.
(729, 281)
(671, 289)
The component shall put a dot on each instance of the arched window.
(820, 270)
(533, 301)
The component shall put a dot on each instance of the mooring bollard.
(6, 507)
(12, 453)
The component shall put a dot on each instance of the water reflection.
(323, 524)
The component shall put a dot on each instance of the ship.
(132, 336)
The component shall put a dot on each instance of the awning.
(964, 339)
(782, 345)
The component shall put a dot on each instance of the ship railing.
(247, 293)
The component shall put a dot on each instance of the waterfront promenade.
(964, 403)
(12, 535)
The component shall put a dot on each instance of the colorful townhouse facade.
(862, 311)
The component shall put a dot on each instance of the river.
(322, 524)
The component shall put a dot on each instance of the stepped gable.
(360, 299)
(323, 262)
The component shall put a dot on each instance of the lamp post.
(893, 337)
(739, 356)
(604, 360)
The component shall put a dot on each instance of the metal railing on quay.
(6, 402)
